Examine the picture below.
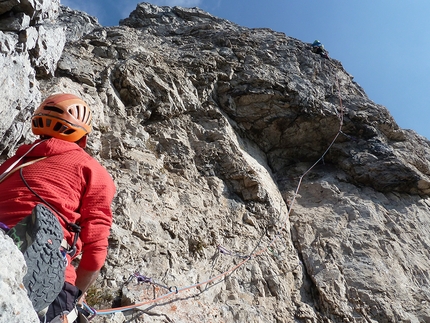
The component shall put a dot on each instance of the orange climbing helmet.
(63, 116)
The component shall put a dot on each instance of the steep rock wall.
(14, 303)
(207, 128)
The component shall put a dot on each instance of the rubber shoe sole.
(39, 237)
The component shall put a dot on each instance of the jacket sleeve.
(96, 216)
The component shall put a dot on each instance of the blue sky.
(384, 44)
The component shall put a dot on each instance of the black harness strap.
(71, 227)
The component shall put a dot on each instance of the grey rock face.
(6, 6)
(209, 129)
(76, 23)
(30, 46)
(14, 303)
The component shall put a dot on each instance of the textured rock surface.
(14, 303)
(28, 50)
(207, 128)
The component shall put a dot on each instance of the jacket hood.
(46, 147)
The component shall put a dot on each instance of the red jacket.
(75, 184)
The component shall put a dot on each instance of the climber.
(318, 48)
(56, 199)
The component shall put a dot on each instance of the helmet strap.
(82, 142)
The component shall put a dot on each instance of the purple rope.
(4, 227)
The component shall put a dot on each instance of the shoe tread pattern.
(45, 274)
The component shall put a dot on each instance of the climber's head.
(63, 116)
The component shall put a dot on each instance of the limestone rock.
(17, 22)
(38, 11)
(76, 23)
(243, 183)
(30, 51)
(7, 5)
(18, 77)
(15, 305)
(48, 49)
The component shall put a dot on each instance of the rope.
(11, 169)
(255, 253)
(6, 175)
(71, 227)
